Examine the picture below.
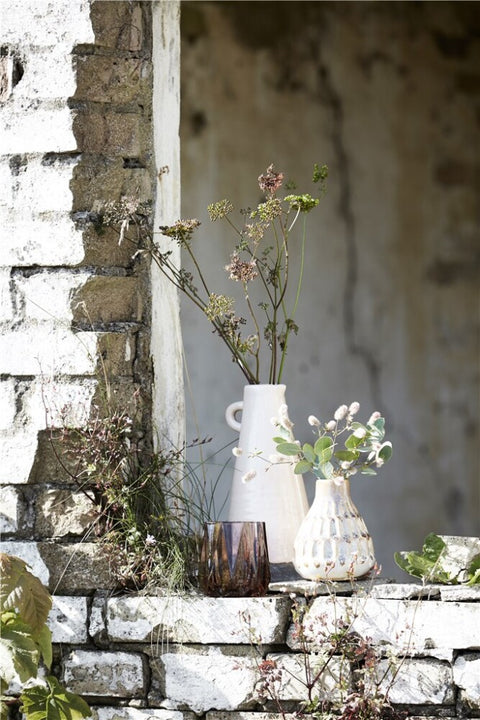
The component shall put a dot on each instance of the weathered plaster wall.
(76, 113)
(387, 94)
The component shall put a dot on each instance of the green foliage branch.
(26, 645)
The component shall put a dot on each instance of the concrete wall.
(387, 94)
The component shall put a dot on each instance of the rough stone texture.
(63, 512)
(110, 674)
(214, 680)
(71, 568)
(197, 619)
(417, 682)
(75, 133)
(131, 713)
(9, 509)
(466, 674)
(334, 683)
(411, 627)
(68, 620)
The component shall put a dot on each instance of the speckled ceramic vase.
(333, 542)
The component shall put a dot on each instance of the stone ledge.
(198, 619)
(410, 627)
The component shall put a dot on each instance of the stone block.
(132, 713)
(112, 79)
(54, 403)
(50, 239)
(76, 568)
(198, 619)
(210, 680)
(417, 682)
(67, 620)
(460, 593)
(109, 133)
(18, 455)
(30, 186)
(105, 674)
(119, 26)
(48, 294)
(29, 552)
(99, 179)
(466, 674)
(118, 352)
(47, 348)
(29, 128)
(6, 306)
(7, 403)
(334, 677)
(103, 250)
(10, 509)
(59, 513)
(410, 626)
(106, 300)
(66, 23)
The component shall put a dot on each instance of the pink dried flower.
(270, 180)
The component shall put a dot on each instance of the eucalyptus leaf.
(302, 466)
(288, 449)
(346, 455)
(309, 453)
(323, 449)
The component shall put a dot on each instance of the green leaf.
(323, 448)
(23, 592)
(53, 703)
(433, 546)
(367, 470)
(385, 452)
(326, 470)
(302, 466)
(309, 453)
(19, 653)
(278, 439)
(288, 448)
(346, 455)
(43, 638)
(351, 442)
(473, 571)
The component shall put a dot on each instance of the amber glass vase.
(234, 559)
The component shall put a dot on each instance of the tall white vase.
(274, 495)
(333, 542)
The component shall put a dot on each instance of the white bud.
(341, 412)
(249, 476)
(237, 451)
(374, 416)
(331, 425)
(313, 421)
(359, 432)
(354, 408)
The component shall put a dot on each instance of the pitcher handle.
(230, 414)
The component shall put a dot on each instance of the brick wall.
(173, 656)
(76, 114)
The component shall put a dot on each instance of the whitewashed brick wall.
(194, 654)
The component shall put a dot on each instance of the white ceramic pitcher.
(274, 495)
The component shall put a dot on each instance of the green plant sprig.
(364, 449)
